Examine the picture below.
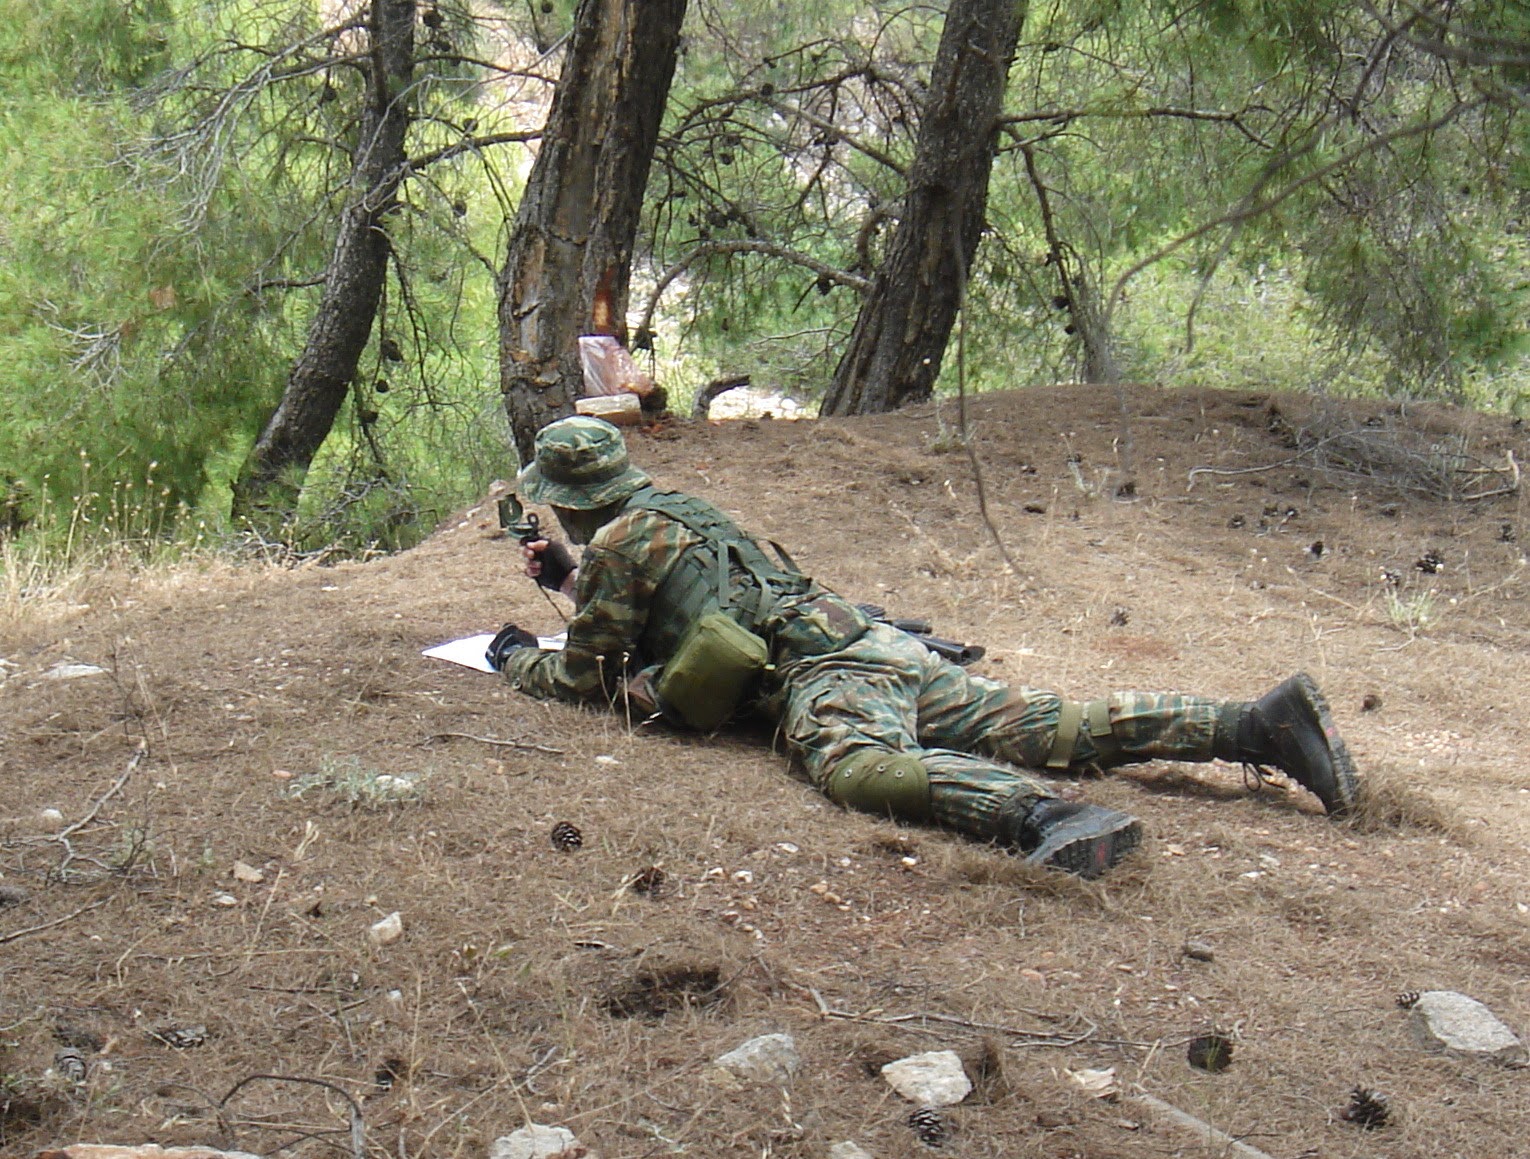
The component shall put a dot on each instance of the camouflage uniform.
(977, 737)
(842, 686)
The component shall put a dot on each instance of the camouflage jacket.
(620, 572)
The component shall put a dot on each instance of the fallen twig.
(1510, 488)
(16, 934)
(509, 744)
(1212, 1134)
(357, 1127)
(132, 765)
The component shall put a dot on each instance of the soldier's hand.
(509, 640)
(551, 564)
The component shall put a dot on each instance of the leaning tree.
(569, 258)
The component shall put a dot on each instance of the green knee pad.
(1091, 720)
(877, 781)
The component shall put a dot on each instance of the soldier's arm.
(613, 595)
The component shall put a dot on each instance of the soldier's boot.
(1291, 729)
(1068, 835)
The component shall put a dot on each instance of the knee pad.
(1084, 736)
(878, 781)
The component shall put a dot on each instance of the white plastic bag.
(609, 369)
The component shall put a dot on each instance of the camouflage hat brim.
(534, 486)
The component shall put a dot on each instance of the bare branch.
(473, 145)
(755, 246)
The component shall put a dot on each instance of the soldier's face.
(581, 526)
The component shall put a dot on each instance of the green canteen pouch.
(714, 669)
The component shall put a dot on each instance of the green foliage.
(1314, 203)
(159, 259)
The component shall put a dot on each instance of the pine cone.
(648, 881)
(1408, 999)
(566, 837)
(929, 1124)
(70, 1063)
(181, 1037)
(1367, 1108)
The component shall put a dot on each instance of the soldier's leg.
(1290, 729)
(851, 716)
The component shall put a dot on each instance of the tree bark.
(569, 259)
(272, 476)
(901, 333)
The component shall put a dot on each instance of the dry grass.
(535, 984)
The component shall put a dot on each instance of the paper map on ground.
(469, 651)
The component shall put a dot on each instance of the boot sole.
(1345, 777)
(1087, 846)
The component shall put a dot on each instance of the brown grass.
(534, 984)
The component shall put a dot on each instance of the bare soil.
(196, 910)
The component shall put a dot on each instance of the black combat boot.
(1291, 729)
(1069, 835)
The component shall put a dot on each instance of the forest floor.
(196, 841)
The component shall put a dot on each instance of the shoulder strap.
(705, 520)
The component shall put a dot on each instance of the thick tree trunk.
(569, 260)
(905, 322)
(272, 476)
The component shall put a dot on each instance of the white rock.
(1446, 1020)
(770, 1058)
(538, 1142)
(848, 1150)
(387, 931)
(932, 1079)
(68, 671)
(1097, 1083)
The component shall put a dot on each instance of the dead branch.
(702, 407)
(14, 935)
(1213, 1137)
(509, 744)
(357, 1127)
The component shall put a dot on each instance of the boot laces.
(1257, 777)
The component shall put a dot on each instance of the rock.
(770, 1058)
(67, 671)
(932, 1079)
(1446, 1020)
(1199, 951)
(141, 1151)
(387, 931)
(538, 1142)
(848, 1150)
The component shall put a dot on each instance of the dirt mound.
(266, 767)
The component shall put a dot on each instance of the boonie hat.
(580, 463)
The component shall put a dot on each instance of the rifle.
(921, 630)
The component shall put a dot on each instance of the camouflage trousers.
(983, 742)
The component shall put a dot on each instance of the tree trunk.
(569, 259)
(272, 477)
(905, 322)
